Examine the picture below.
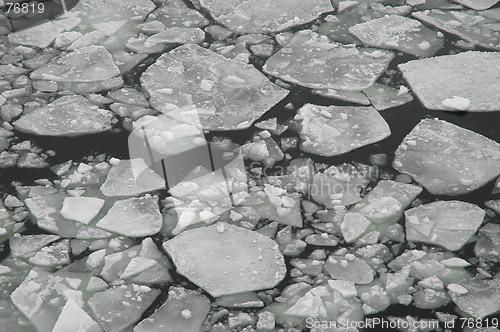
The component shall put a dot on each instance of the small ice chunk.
(457, 103)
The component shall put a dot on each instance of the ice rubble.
(313, 61)
(450, 224)
(227, 259)
(334, 130)
(447, 159)
(216, 86)
(261, 16)
(477, 28)
(399, 33)
(174, 13)
(442, 83)
(66, 116)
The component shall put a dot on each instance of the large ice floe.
(334, 130)
(447, 159)
(227, 259)
(261, 16)
(450, 224)
(460, 82)
(229, 95)
(313, 61)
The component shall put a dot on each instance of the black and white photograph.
(249, 165)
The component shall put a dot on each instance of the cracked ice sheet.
(334, 130)
(480, 28)
(399, 33)
(449, 224)
(462, 82)
(314, 61)
(229, 95)
(447, 159)
(263, 16)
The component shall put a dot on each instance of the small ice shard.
(66, 116)
(133, 217)
(178, 35)
(399, 33)
(327, 65)
(482, 298)
(40, 36)
(233, 261)
(86, 64)
(354, 127)
(477, 28)
(457, 103)
(477, 4)
(436, 81)
(184, 310)
(240, 94)
(449, 224)
(447, 159)
(353, 269)
(175, 13)
(118, 308)
(120, 180)
(383, 97)
(74, 318)
(261, 16)
(81, 209)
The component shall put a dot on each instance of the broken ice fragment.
(117, 308)
(309, 306)
(175, 13)
(449, 224)
(399, 33)
(384, 97)
(477, 4)
(184, 310)
(122, 182)
(86, 64)
(134, 217)
(40, 36)
(482, 298)
(178, 35)
(240, 93)
(260, 16)
(81, 209)
(354, 269)
(439, 81)
(66, 116)
(27, 245)
(404, 193)
(74, 318)
(447, 159)
(353, 226)
(334, 130)
(233, 261)
(327, 65)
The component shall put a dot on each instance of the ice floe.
(334, 130)
(66, 116)
(224, 259)
(450, 224)
(447, 159)
(461, 82)
(314, 61)
(481, 299)
(229, 95)
(260, 16)
(399, 33)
